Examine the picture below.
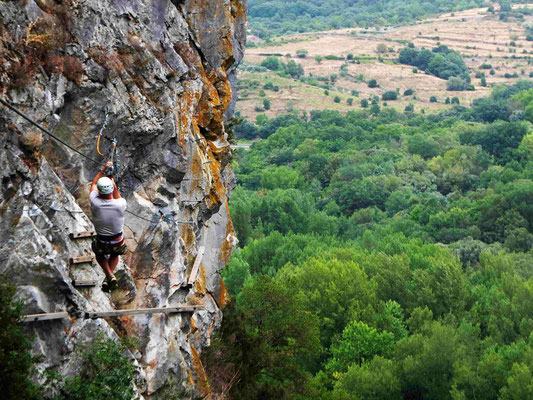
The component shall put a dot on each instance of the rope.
(47, 131)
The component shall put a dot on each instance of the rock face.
(163, 69)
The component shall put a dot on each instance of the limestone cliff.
(163, 69)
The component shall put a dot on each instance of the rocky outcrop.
(164, 69)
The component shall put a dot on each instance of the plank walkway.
(112, 313)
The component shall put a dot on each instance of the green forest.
(277, 17)
(383, 256)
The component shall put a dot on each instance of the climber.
(108, 210)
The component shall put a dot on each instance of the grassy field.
(478, 34)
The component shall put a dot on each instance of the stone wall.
(163, 68)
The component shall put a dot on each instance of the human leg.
(104, 263)
(113, 262)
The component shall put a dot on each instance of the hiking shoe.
(113, 283)
(105, 286)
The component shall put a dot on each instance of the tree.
(389, 95)
(278, 344)
(16, 360)
(359, 342)
(302, 53)
(381, 48)
(375, 379)
(372, 83)
(272, 63)
(337, 99)
(349, 101)
(105, 373)
(364, 103)
(318, 59)
(266, 104)
(433, 99)
(456, 83)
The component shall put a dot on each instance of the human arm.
(116, 194)
(98, 176)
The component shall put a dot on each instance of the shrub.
(72, 69)
(415, 70)
(355, 93)
(372, 83)
(301, 53)
(409, 108)
(390, 95)
(381, 48)
(268, 86)
(456, 83)
(266, 104)
(106, 373)
(16, 361)
(262, 93)
(272, 63)
(349, 101)
(447, 101)
(349, 56)
(364, 103)
(483, 82)
(337, 99)
(408, 92)
(492, 72)
(326, 92)
(433, 99)
(455, 100)
(485, 66)
(318, 59)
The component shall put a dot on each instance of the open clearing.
(477, 34)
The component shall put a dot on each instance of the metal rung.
(207, 162)
(81, 235)
(80, 259)
(84, 283)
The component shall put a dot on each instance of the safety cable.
(47, 131)
(87, 157)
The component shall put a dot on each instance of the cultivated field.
(478, 34)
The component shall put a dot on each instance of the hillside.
(491, 47)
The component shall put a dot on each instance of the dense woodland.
(275, 17)
(384, 256)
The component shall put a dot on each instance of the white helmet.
(104, 185)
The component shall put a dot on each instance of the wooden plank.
(117, 313)
(81, 235)
(44, 317)
(84, 283)
(81, 259)
(196, 266)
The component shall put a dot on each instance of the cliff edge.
(162, 69)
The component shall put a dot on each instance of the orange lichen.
(199, 371)
(200, 285)
(223, 298)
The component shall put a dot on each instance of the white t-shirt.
(108, 214)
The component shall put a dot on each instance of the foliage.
(105, 373)
(405, 237)
(441, 62)
(389, 95)
(16, 360)
(280, 17)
